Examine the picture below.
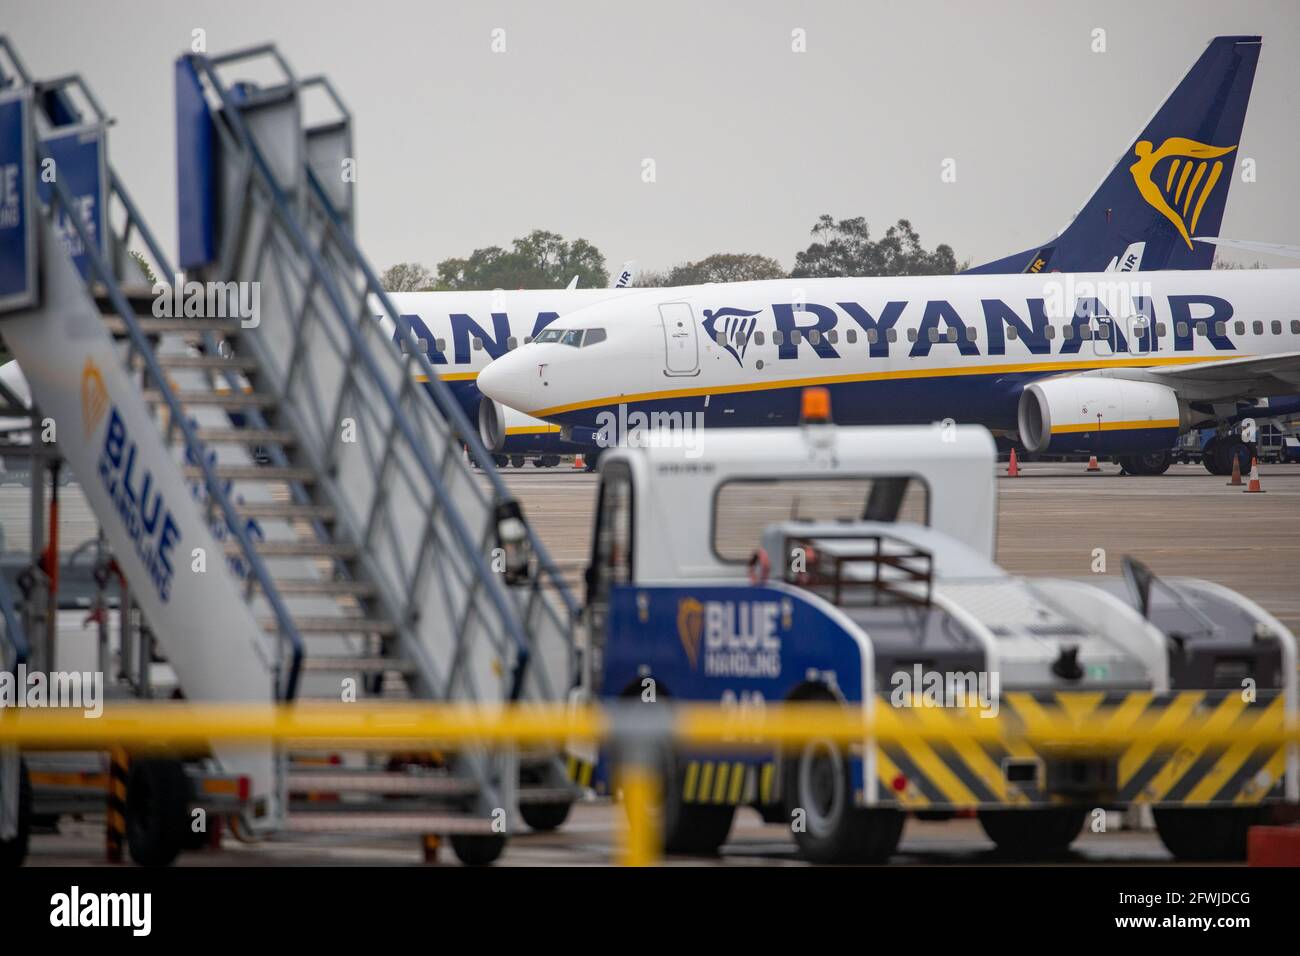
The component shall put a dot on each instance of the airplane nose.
(506, 380)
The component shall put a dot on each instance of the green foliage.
(845, 248)
(143, 264)
(406, 277)
(721, 267)
(540, 260)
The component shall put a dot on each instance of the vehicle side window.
(611, 558)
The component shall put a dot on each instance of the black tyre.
(1218, 456)
(157, 811)
(693, 829)
(13, 852)
(475, 850)
(1151, 463)
(828, 827)
(500, 461)
(516, 461)
(1034, 833)
(1192, 833)
(545, 816)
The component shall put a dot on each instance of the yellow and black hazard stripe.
(964, 774)
(115, 828)
(580, 771)
(729, 782)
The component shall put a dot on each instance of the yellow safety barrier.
(184, 727)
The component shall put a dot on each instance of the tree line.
(545, 260)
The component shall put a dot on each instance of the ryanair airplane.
(1135, 221)
(1102, 363)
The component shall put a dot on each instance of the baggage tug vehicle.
(855, 565)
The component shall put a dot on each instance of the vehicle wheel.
(694, 829)
(13, 852)
(1033, 833)
(1192, 833)
(157, 811)
(501, 461)
(476, 850)
(1151, 463)
(545, 816)
(550, 461)
(516, 461)
(828, 828)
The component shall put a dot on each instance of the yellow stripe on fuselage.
(879, 377)
(1114, 426)
(450, 377)
(526, 430)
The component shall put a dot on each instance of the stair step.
(214, 399)
(300, 587)
(154, 326)
(334, 821)
(216, 363)
(285, 511)
(247, 436)
(256, 473)
(369, 665)
(298, 549)
(328, 781)
(335, 625)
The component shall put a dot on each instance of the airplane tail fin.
(1171, 184)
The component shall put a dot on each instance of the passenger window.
(1067, 332)
(851, 336)
(815, 337)
(892, 335)
(832, 336)
(1277, 328)
(778, 337)
(872, 336)
(1295, 326)
(478, 345)
(1160, 329)
(933, 335)
(972, 333)
(1220, 328)
(512, 343)
(795, 337)
(911, 335)
(758, 336)
(1200, 329)
(1050, 332)
(721, 338)
(952, 334)
(1240, 327)
(1257, 328)
(1013, 333)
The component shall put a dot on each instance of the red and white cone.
(1013, 466)
(1092, 463)
(1236, 472)
(579, 463)
(1253, 485)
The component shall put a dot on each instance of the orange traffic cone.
(1236, 471)
(1013, 466)
(1253, 486)
(578, 463)
(1092, 464)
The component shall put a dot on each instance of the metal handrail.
(194, 448)
(439, 391)
(362, 353)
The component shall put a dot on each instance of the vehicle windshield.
(572, 337)
(549, 335)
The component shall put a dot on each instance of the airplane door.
(1103, 336)
(681, 345)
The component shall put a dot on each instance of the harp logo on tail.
(1179, 189)
(732, 329)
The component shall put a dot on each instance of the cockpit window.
(593, 336)
(572, 337)
(549, 335)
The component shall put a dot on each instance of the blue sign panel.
(78, 156)
(17, 215)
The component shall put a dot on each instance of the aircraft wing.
(1283, 367)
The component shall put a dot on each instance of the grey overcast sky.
(459, 147)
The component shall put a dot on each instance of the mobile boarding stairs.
(298, 518)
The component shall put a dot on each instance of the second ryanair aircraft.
(1106, 363)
